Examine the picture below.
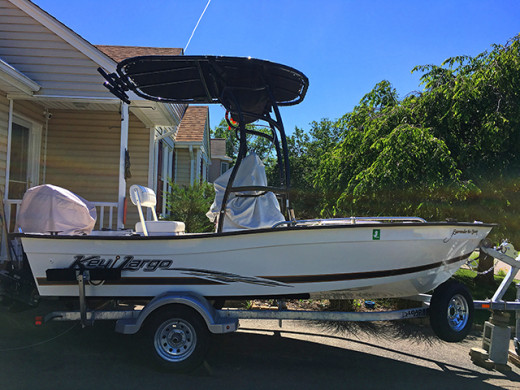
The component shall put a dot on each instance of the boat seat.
(145, 197)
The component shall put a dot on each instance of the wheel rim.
(458, 312)
(175, 340)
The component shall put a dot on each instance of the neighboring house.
(59, 125)
(220, 161)
(189, 160)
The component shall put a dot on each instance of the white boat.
(314, 259)
(353, 257)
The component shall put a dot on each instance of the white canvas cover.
(246, 212)
(48, 208)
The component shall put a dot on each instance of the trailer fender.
(214, 322)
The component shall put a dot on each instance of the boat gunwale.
(189, 236)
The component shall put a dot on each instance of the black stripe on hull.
(362, 275)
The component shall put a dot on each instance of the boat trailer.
(497, 333)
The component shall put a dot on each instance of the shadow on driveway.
(64, 355)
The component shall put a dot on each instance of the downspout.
(47, 117)
(166, 168)
(192, 173)
(197, 165)
(8, 162)
(122, 181)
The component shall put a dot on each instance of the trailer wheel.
(178, 337)
(451, 311)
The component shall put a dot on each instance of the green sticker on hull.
(376, 234)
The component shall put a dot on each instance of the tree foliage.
(443, 152)
(260, 145)
(189, 204)
(386, 163)
(450, 150)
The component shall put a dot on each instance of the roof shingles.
(193, 124)
(119, 53)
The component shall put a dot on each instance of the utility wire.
(197, 25)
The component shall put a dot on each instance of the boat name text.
(473, 232)
(126, 263)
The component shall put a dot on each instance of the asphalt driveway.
(260, 355)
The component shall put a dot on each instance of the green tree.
(448, 151)
(189, 204)
(260, 145)
(305, 153)
(383, 161)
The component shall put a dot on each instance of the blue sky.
(344, 47)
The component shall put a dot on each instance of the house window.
(224, 166)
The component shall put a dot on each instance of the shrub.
(189, 204)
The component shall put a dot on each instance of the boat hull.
(365, 261)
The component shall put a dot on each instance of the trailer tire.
(451, 311)
(177, 338)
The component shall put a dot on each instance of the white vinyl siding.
(183, 167)
(83, 155)
(46, 58)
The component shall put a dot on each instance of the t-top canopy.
(240, 84)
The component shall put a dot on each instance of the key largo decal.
(127, 263)
(130, 263)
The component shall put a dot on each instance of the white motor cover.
(48, 208)
(246, 212)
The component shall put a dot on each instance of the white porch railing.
(108, 208)
(105, 219)
(105, 214)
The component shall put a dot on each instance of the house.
(59, 125)
(191, 156)
(220, 161)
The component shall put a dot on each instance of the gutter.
(17, 79)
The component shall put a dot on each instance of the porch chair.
(145, 197)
